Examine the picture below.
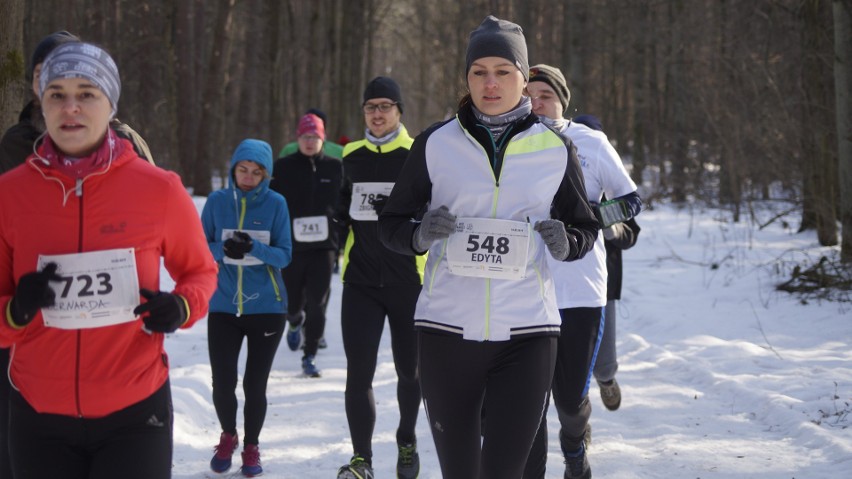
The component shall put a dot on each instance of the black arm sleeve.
(408, 200)
(572, 208)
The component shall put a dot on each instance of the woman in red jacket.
(92, 398)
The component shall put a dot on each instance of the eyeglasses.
(382, 107)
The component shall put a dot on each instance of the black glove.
(238, 245)
(33, 293)
(379, 202)
(436, 225)
(555, 238)
(166, 311)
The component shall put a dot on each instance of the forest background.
(727, 102)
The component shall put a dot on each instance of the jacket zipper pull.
(78, 189)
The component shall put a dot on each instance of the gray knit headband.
(82, 60)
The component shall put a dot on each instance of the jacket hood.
(257, 151)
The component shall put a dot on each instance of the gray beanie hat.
(82, 60)
(553, 77)
(498, 38)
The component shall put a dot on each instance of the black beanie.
(383, 87)
(589, 120)
(553, 77)
(321, 114)
(498, 38)
(45, 46)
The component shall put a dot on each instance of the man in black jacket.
(377, 283)
(310, 181)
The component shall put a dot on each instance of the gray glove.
(554, 236)
(435, 225)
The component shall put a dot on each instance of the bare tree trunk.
(677, 102)
(843, 94)
(13, 88)
(821, 179)
(731, 159)
(356, 32)
(187, 58)
(248, 100)
(571, 63)
(275, 112)
(209, 145)
(139, 37)
(644, 97)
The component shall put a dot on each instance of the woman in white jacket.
(500, 188)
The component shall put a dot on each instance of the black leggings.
(484, 401)
(225, 333)
(133, 443)
(308, 282)
(581, 332)
(363, 311)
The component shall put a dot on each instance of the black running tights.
(225, 333)
(132, 443)
(484, 401)
(582, 329)
(308, 282)
(363, 311)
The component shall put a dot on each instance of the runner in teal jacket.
(264, 215)
(248, 231)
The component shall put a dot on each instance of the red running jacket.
(91, 373)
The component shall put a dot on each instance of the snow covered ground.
(722, 376)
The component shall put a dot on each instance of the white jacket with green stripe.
(530, 173)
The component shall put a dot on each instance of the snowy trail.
(722, 377)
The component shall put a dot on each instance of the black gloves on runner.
(237, 246)
(378, 203)
(554, 236)
(32, 294)
(435, 225)
(166, 311)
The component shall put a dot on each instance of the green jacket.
(330, 148)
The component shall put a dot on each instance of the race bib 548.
(489, 248)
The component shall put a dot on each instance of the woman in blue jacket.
(248, 231)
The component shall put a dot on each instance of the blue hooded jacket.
(253, 285)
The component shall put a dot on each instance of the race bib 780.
(360, 208)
